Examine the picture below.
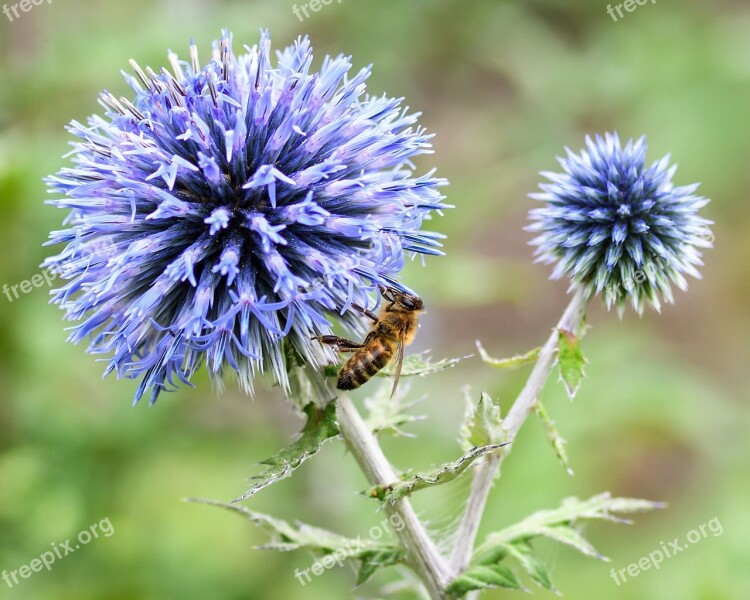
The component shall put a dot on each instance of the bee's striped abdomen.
(363, 365)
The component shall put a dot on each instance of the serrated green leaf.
(286, 537)
(418, 365)
(514, 362)
(482, 424)
(573, 538)
(490, 555)
(629, 505)
(386, 414)
(553, 435)
(572, 511)
(571, 361)
(321, 426)
(437, 476)
(560, 524)
(532, 564)
(372, 560)
(414, 365)
(482, 577)
(604, 506)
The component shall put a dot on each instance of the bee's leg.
(387, 294)
(340, 344)
(368, 313)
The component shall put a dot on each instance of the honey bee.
(391, 332)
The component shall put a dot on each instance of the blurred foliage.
(662, 414)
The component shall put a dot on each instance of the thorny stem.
(432, 568)
(423, 555)
(486, 472)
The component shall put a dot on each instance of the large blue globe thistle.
(225, 211)
(619, 227)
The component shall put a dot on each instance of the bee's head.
(402, 300)
(411, 302)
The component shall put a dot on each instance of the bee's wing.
(399, 361)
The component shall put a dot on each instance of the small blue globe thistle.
(225, 211)
(618, 227)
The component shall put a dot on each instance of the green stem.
(422, 553)
(485, 473)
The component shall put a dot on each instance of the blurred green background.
(505, 85)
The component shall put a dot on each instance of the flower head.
(615, 225)
(219, 215)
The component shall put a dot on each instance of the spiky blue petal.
(617, 226)
(230, 207)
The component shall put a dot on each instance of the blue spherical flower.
(619, 227)
(221, 214)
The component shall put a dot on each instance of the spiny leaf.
(531, 563)
(286, 537)
(629, 505)
(573, 538)
(490, 555)
(571, 512)
(514, 362)
(374, 559)
(554, 437)
(418, 364)
(388, 415)
(522, 552)
(321, 426)
(482, 423)
(482, 577)
(571, 361)
(437, 476)
(283, 534)
(560, 524)
(414, 365)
